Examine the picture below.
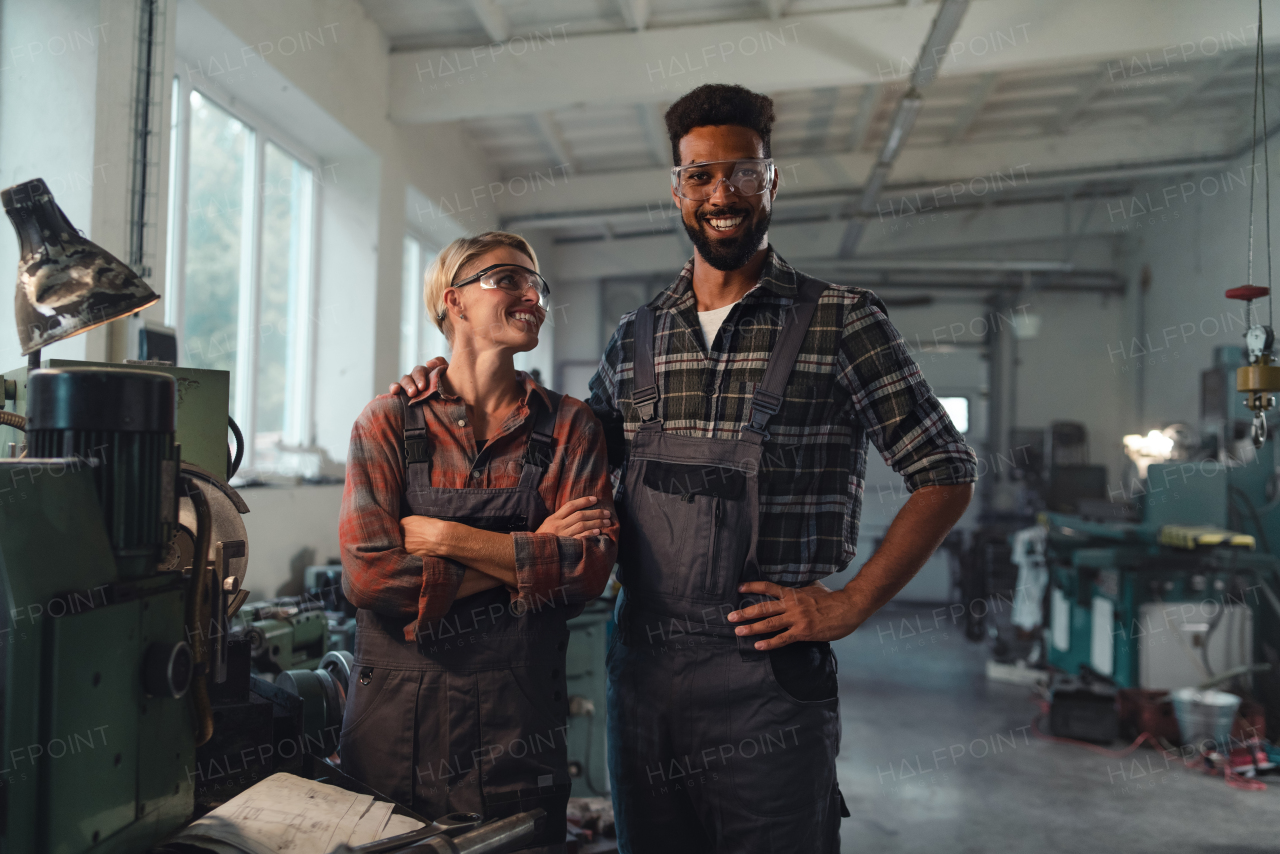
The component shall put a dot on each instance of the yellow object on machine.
(1196, 536)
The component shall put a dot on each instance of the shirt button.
(476, 473)
(462, 422)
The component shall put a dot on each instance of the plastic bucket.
(1204, 715)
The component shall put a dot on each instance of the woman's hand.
(425, 536)
(572, 520)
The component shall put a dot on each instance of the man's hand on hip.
(815, 613)
(812, 613)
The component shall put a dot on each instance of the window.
(241, 224)
(958, 409)
(419, 338)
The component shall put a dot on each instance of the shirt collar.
(434, 389)
(776, 276)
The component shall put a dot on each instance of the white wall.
(65, 72)
(1196, 247)
(289, 529)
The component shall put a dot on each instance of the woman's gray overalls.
(472, 717)
(707, 752)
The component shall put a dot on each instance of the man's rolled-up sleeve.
(378, 574)
(571, 570)
(895, 405)
(603, 399)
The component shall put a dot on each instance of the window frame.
(427, 252)
(299, 426)
(968, 409)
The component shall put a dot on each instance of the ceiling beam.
(866, 112)
(941, 32)
(823, 111)
(493, 19)
(1197, 86)
(776, 8)
(969, 163)
(635, 13)
(1063, 121)
(981, 91)
(655, 133)
(553, 140)
(847, 48)
(813, 245)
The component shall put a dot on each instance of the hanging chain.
(1253, 149)
(1266, 157)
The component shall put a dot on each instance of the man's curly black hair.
(719, 104)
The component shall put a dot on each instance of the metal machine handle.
(442, 836)
(450, 825)
(199, 613)
(495, 837)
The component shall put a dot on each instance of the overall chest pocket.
(691, 529)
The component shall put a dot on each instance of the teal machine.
(1191, 592)
(1128, 603)
(585, 682)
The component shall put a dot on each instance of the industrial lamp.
(66, 284)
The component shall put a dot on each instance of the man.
(738, 406)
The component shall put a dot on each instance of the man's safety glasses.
(511, 278)
(698, 182)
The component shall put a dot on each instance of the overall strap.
(768, 397)
(645, 396)
(541, 444)
(417, 447)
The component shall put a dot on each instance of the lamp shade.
(66, 284)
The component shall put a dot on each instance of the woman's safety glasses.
(698, 182)
(513, 279)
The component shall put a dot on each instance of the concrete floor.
(934, 758)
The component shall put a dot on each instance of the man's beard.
(729, 253)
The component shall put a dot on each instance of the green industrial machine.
(201, 397)
(289, 633)
(121, 553)
(102, 710)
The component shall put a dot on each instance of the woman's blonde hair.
(461, 252)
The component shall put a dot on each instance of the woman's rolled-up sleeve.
(377, 573)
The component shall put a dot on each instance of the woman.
(477, 518)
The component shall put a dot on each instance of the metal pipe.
(964, 265)
(945, 23)
(1116, 172)
(495, 837)
(198, 609)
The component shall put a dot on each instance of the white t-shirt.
(711, 321)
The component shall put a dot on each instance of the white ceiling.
(991, 107)
(415, 24)
(1090, 83)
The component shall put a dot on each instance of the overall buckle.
(764, 405)
(644, 400)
